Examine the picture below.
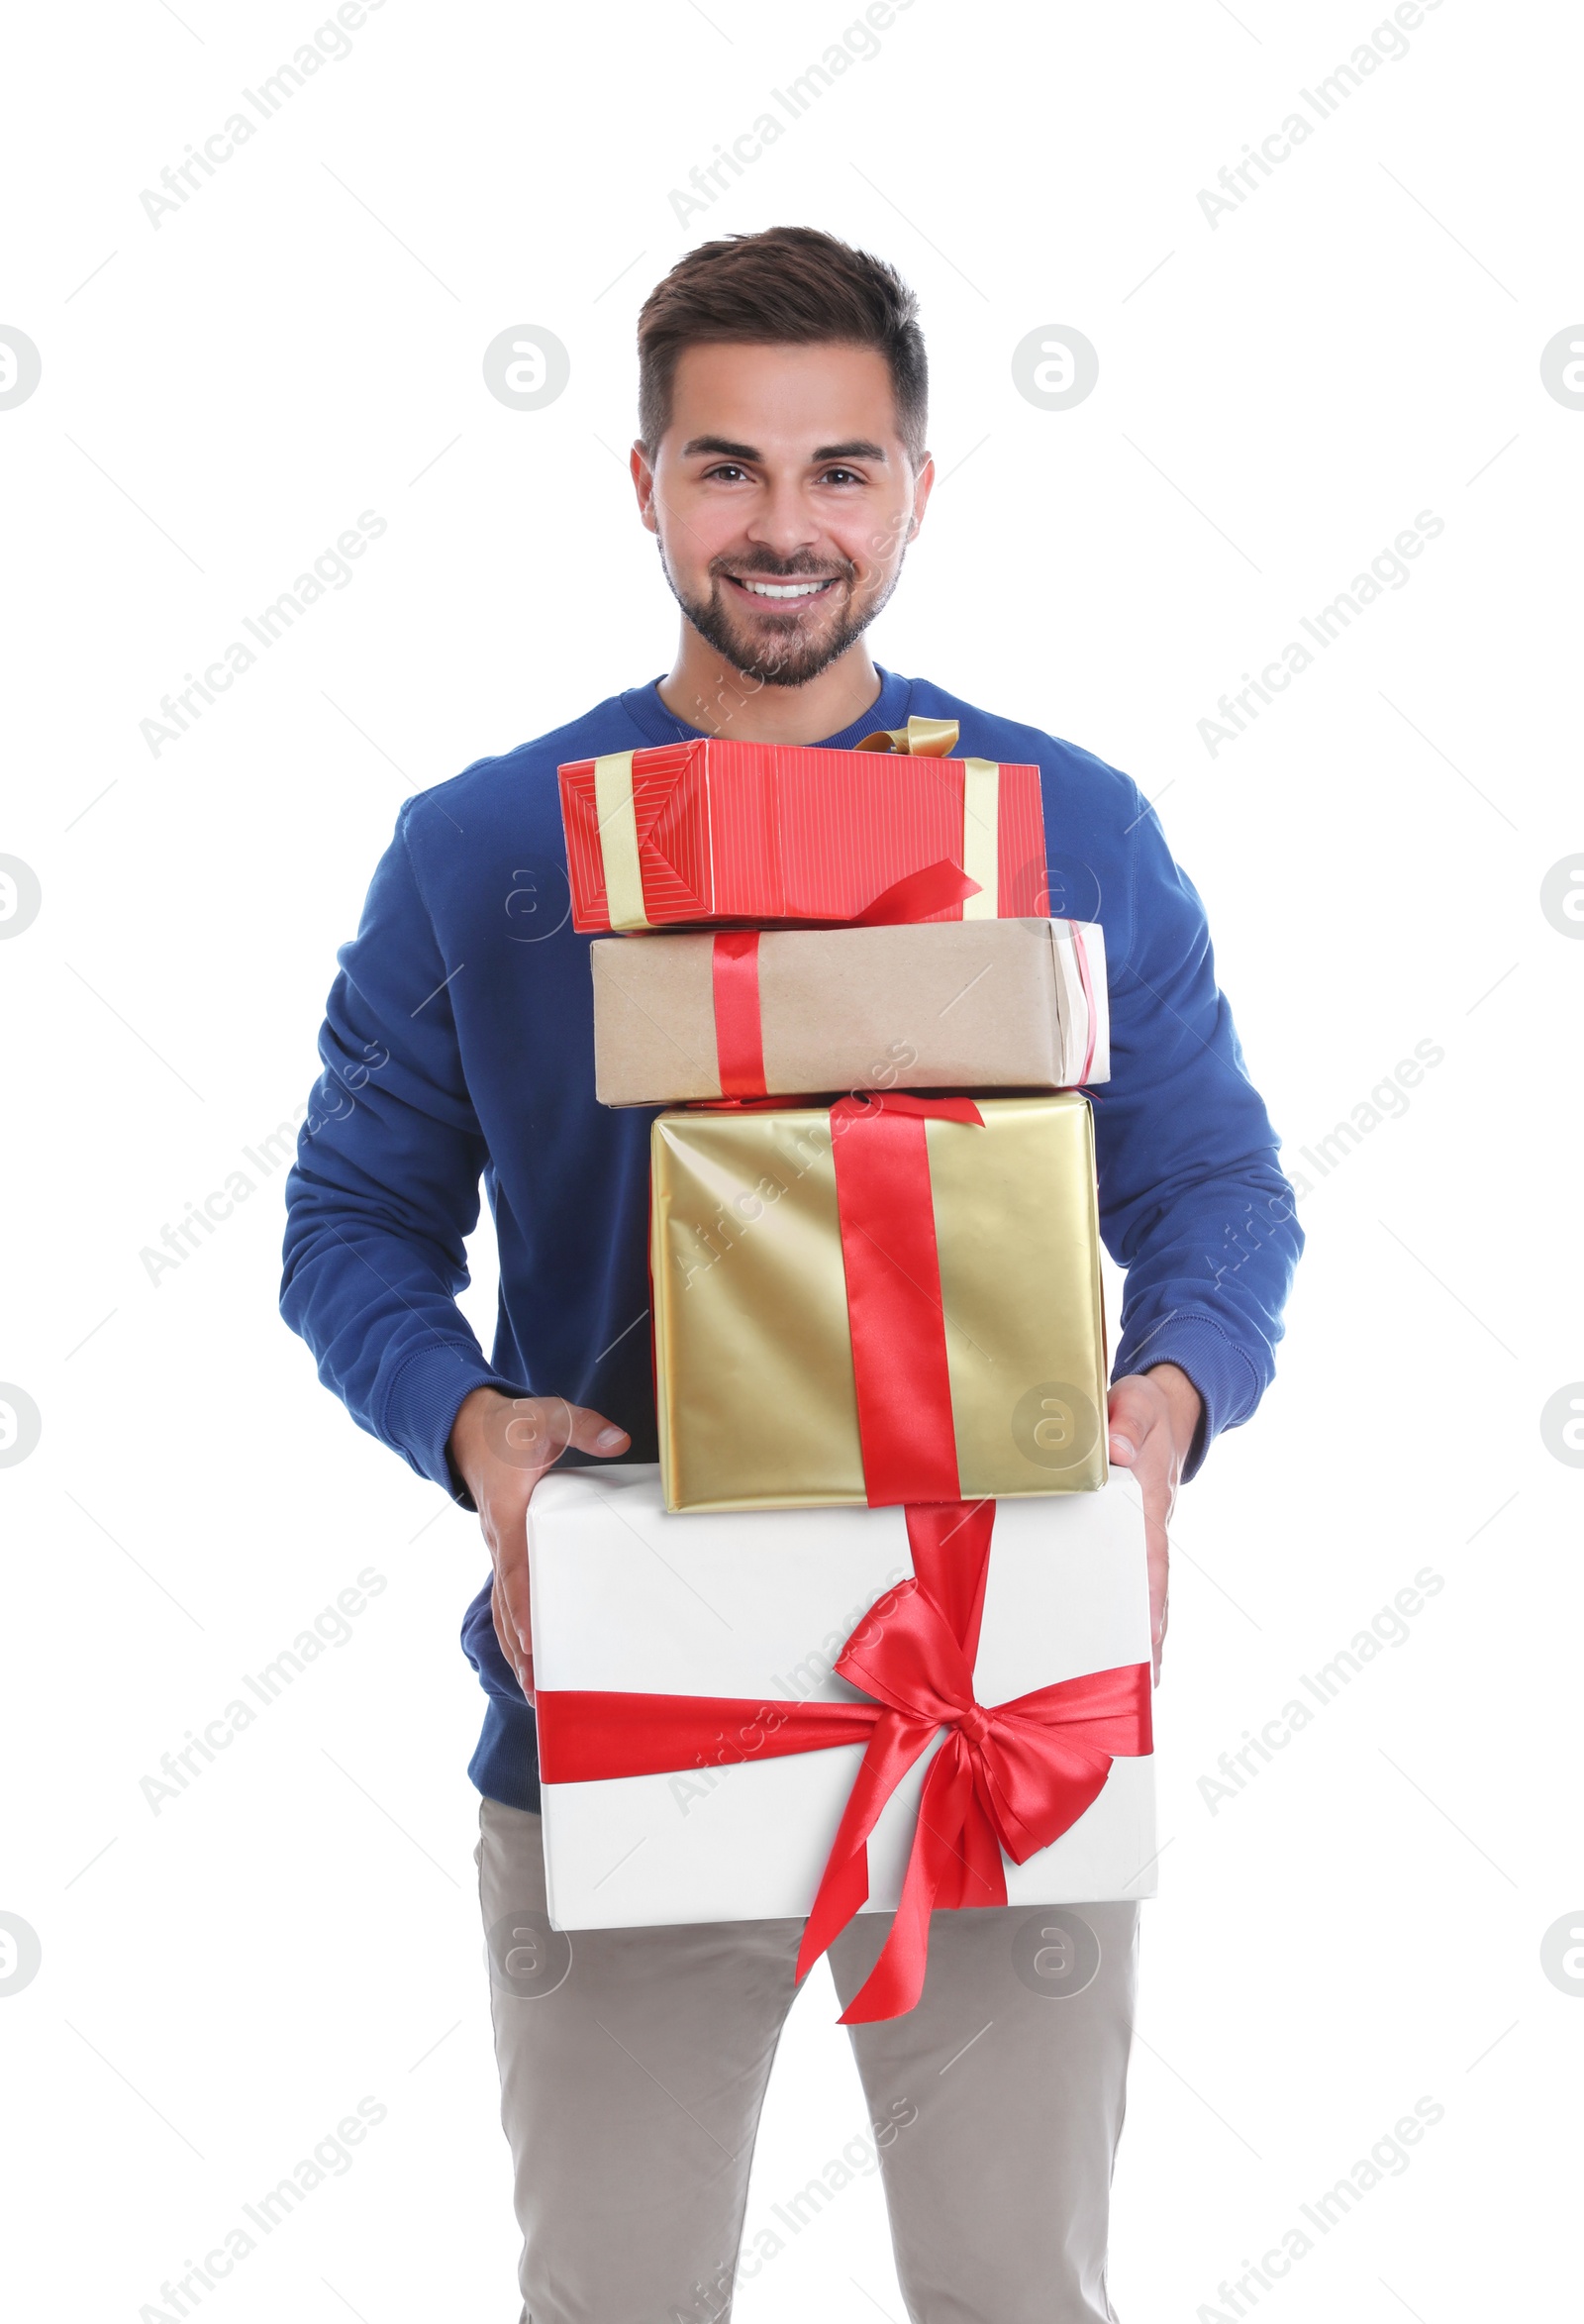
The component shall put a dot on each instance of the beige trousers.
(633, 2064)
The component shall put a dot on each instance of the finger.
(532, 1432)
(1155, 1489)
(511, 1579)
(1128, 1423)
(591, 1432)
(505, 1634)
(512, 1646)
(505, 1524)
(1157, 1612)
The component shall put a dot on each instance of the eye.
(840, 477)
(726, 471)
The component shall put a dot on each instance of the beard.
(782, 650)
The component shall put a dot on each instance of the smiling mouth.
(782, 592)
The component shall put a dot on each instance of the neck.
(707, 692)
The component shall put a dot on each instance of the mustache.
(760, 565)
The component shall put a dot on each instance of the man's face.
(784, 501)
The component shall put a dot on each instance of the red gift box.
(722, 831)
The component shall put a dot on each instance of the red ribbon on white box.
(1010, 1776)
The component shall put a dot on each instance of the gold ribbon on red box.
(714, 829)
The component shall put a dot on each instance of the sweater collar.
(656, 724)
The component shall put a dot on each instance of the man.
(782, 467)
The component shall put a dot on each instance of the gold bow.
(924, 738)
(935, 738)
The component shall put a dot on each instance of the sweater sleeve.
(385, 1187)
(1192, 1201)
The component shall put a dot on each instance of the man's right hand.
(501, 1447)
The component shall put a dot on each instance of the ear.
(643, 473)
(923, 486)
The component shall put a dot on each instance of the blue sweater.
(458, 1044)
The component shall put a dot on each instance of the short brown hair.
(791, 286)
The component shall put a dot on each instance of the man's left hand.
(1152, 1417)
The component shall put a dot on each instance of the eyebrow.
(722, 448)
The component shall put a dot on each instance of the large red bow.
(1011, 1776)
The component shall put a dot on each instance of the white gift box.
(628, 1599)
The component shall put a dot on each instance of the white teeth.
(784, 589)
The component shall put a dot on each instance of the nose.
(783, 522)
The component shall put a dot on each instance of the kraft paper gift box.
(710, 831)
(983, 1004)
(699, 1746)
(892, 1298)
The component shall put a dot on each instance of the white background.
(1278, 397)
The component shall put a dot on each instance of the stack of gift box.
(874, 1635)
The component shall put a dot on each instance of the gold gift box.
(754, 1360)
